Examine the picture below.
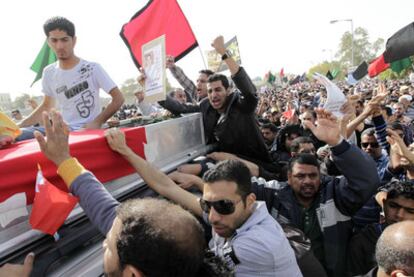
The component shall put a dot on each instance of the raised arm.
(36, 116)
(96, 201)
(249, 101)
(153, 177)
(359, 170)
(180, 76)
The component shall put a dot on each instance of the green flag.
(45, 57)
(400, 65)
(334, 73)
(271, 78)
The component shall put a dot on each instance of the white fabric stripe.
(273, 184)
(329, 215)
(12, 208)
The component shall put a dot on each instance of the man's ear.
(399, 273)
(381, 197)
(250, 199)
(131, 271)
(74, 40)
(289, 175)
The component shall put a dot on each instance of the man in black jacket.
(398, 206)
(229, 116)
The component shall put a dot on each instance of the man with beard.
(245, 236)
(269, 133)
(399, 113)
(322, 207)
(229, 116)
(144, 237)
(398, 206)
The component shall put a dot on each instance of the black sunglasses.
(373, 144)
(224, 207)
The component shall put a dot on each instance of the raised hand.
(218, 45)
(328, 129)
(56, 145)
(170, 63)
(398, 146)
(141, 78)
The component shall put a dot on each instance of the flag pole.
(202, 57)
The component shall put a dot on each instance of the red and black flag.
(400, 45)
(159, 17)
(377, 66)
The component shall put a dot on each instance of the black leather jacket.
(238, 132)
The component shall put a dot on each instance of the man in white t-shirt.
(74, 83)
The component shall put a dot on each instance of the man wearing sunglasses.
(370, 145)
(322, 207)
(245, 236)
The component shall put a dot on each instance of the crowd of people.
(291, 189)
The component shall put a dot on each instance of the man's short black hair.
(219, 77)
(396, 188)
(231, 171)
(272, 127)
(295, 145)
(303, 158)
(15, 111)
(396, 126)
(368, 132)
(159, 238)
(59, 23)
(207, 72)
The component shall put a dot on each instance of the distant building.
(5, 102)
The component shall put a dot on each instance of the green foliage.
(391, 75)
(364, 50)
(323, 68)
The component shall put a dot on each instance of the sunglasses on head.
(373, 144)
(224, 207)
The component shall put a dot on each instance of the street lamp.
(352, 31)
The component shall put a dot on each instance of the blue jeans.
(28, 132)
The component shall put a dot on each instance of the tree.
(20, 101)
(364, 50)
(323, 68)
(130, 86)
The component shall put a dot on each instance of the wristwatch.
(226, 55)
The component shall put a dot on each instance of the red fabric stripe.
(18, 163)
(377, 66)
(51, 207)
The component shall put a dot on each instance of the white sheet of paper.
(13, 208)
(335, 96)
(153, 57)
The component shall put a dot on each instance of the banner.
(153, 57)
(214, 59)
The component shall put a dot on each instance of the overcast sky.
(272, 34)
